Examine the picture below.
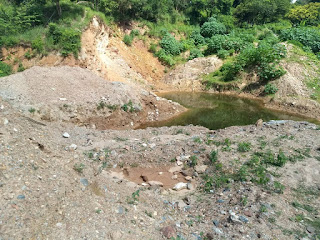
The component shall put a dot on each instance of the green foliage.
(193, 161)
(5, 69)
(261, 11)
(127, 39)
(270, 89)
(308, 14)
(79, 167)
(21, 67)
(244, 147)
(309, 37)
(195, 53)
(170, 45)
(67, 39)
(164, 58)
(197, 38)
(212, 27)
(223, 54)
(213, 157)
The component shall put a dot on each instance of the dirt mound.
(77, 95)
(187, 77)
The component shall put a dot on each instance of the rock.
(116, 235)
(174, 177)
(201, 168)
(243, 219)
(21, 197)
(179, 186)
(169, 232)
(183, 158)
(217, 230)
(66, 135)
(209, 236)
(144, 178)
(155, 183)
(179, 163)
(189, 186)
(188, 178)
(216, 222)
(248, 213)
(259, 123)
(311, 229)
(184, 173)
(73, 147)
(5, 121)
(84, 182)
(233, 218)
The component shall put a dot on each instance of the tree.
(261, 11)
(305, 14)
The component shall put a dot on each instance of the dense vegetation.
(246, 33)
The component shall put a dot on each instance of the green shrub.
(153, 48)
(270, 89)
(212, 27)
(244, 147)
(170, 45)
(67, 39)
(186, 44)
(197, 38)
(127, 39)
(134, 33)
(5, 69)
(195, 53)
(309, 37)
(224, 42)
(38, 45)
(165, 58)
(223, 54)
(21, 67)
(213, 157)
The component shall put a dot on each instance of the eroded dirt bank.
(62, 181)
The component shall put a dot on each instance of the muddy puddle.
(216, 111)
(167, 177)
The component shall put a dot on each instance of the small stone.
(201, 168)
(189, 186)
(216, 223)
(188, 178)
(179, 163)
(259, 123)
(21, 197)
(220, 201)
(160, 173)
(183, 158)
(84, 182)
(234, 219)
(311, 229)
(243, 219)
(5, 121)
(179, 186)
(174, 177)
(66, 135)
(209, 236)
(217, 230)
(152, 145)
(59, 225)
(155, 183)
(184, 173)
(116, 236)
(248, 213)
(169, 232)
(144, 184)
(73, 147)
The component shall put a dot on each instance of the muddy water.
(216, 111)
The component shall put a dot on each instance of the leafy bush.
(223, 54)
(244, 147)
(224, 42)
(270, 89)
(197, 38)
(195, 53)
(170, 45)
(186, 44)
(153, 48)
(67, 39)
(309, 37)
(38, 45)
(165, 58)
(127, 39)
(213, 27)
(5, 69)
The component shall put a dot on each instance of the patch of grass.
(197, 140)
(134, 198)
(213, 156)
(79, 167)
(244, 147)
(193, 161)
(32, 110)
(306, 207)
